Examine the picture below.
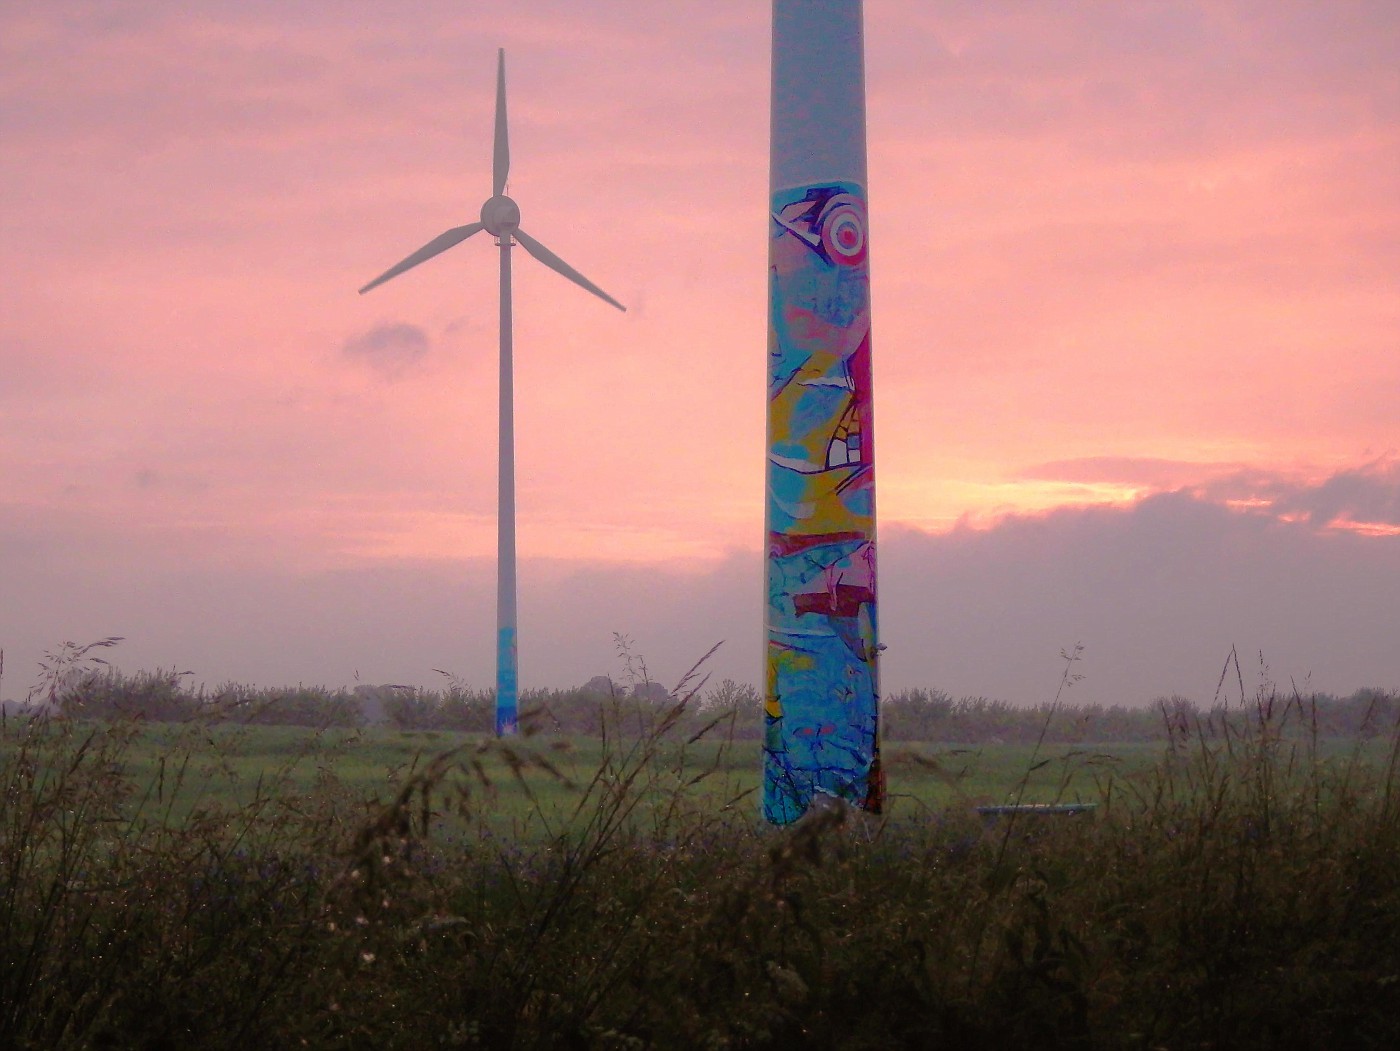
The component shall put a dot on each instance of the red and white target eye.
(843, 230)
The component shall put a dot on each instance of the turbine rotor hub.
(501, 216)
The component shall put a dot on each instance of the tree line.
(909, 715)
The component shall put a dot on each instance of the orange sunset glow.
(1135, 315)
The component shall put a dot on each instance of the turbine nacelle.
(501, 216)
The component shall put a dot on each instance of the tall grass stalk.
(1243, 892)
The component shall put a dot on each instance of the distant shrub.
(154, 696)
(82, 690)
(313, 706)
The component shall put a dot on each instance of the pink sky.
(1135, 319)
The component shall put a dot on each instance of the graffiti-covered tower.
(822, 690)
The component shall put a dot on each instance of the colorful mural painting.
(822, 682)
(822, 695)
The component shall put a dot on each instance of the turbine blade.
(441, 243)
(549, 259)
(500, 161)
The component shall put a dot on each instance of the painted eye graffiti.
(842, 226)
(836, 232)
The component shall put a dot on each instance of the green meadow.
(226, 766)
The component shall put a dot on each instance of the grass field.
(210, 885)
(229, 766)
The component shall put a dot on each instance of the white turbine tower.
(500, 216)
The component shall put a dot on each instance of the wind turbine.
(500, 217)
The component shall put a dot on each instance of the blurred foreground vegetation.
(210, 881)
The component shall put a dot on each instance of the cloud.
(1154, 472)
(391, 349)
(1365, 498)
(1158, 593)
(1368, 495)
